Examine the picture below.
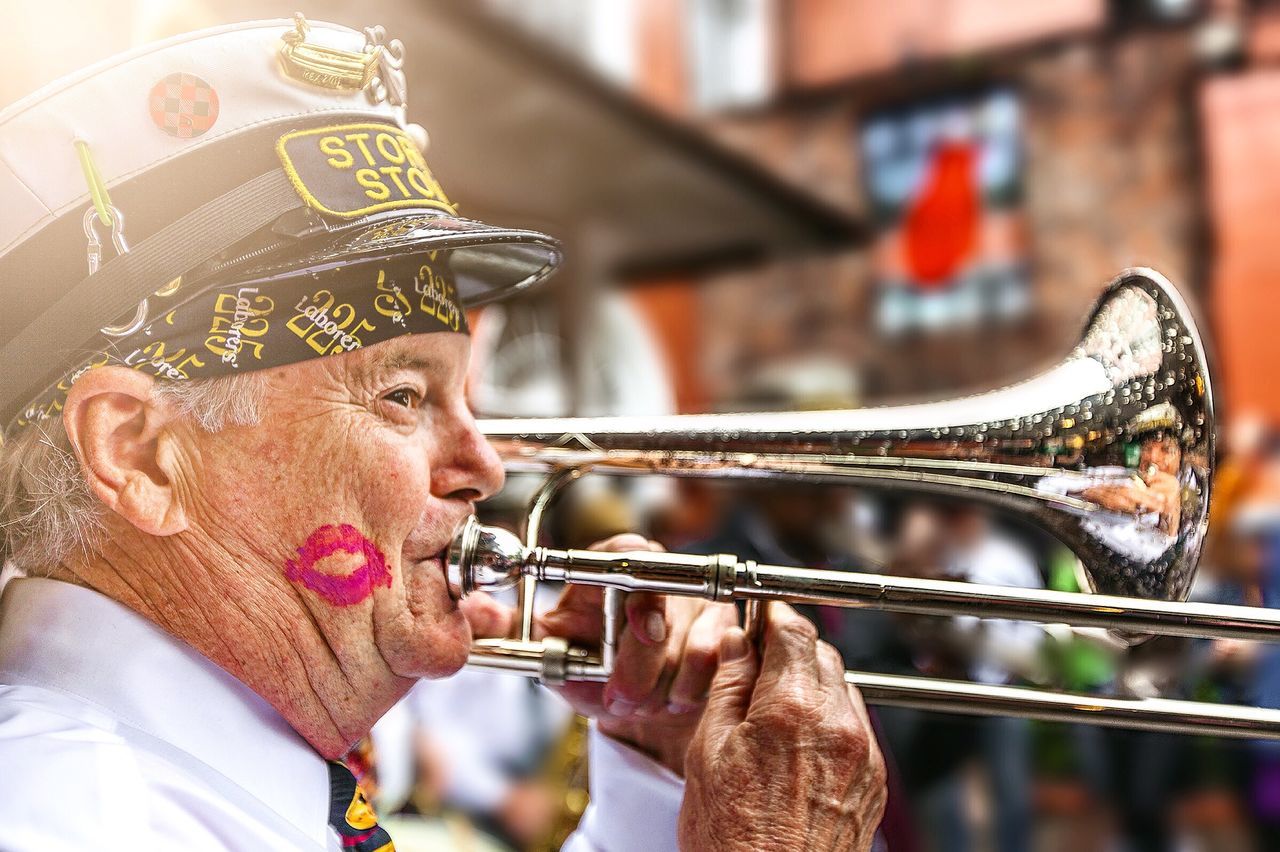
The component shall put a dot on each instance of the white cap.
(281, 141)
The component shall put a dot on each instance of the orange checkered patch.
(183, 105)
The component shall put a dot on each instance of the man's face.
(1163, 454)
(346, 495)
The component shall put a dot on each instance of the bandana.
(268, 320)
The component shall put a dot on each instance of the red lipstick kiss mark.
(339, 591)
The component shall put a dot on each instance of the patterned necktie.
(352, 816)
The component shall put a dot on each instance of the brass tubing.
(675, 573)
(950, 597)
(975, 699)
(1144, 714)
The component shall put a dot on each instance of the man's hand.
(667, 653)
(784, 757)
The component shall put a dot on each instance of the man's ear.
(114, 427)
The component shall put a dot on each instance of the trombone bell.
(1111, 451)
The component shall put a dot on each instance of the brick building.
(1145, 135)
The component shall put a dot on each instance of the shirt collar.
(77, 641)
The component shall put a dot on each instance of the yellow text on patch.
(355, 169)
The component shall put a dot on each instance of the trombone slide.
(490, 558)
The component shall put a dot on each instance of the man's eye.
(403, 396)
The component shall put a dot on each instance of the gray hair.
(46, 509)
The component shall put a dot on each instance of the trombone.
(1111, 451)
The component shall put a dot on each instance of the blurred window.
(944, 181)
(731, 47)
(599, 33)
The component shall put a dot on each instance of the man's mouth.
(437, 563)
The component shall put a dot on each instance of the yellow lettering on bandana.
(351, 170)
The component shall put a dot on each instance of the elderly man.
(237, 449)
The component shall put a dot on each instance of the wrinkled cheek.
(394, 497)
(419, 629)
(427, 647)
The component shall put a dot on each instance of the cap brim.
(487, 263)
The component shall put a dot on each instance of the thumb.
(577, 616)
(487, 617)
(730, 693)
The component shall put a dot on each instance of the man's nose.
(466, 466)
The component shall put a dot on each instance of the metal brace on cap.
(108, 214)
(378, 69)
(95, 242)
(95, 261)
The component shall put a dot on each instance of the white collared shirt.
(116, 736)
(1007, 646)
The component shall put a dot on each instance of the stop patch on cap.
(350, 170)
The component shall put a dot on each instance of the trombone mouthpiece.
(484, 558)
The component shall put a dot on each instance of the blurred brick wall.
(1111, 168)
(1242, 147)
(671, 307)
(786, 310)
(810, 145)
(1110, 182)
(662, 76)
(830, 41)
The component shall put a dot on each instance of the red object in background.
(941, 228)
(1240, 120)
(672, 310)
